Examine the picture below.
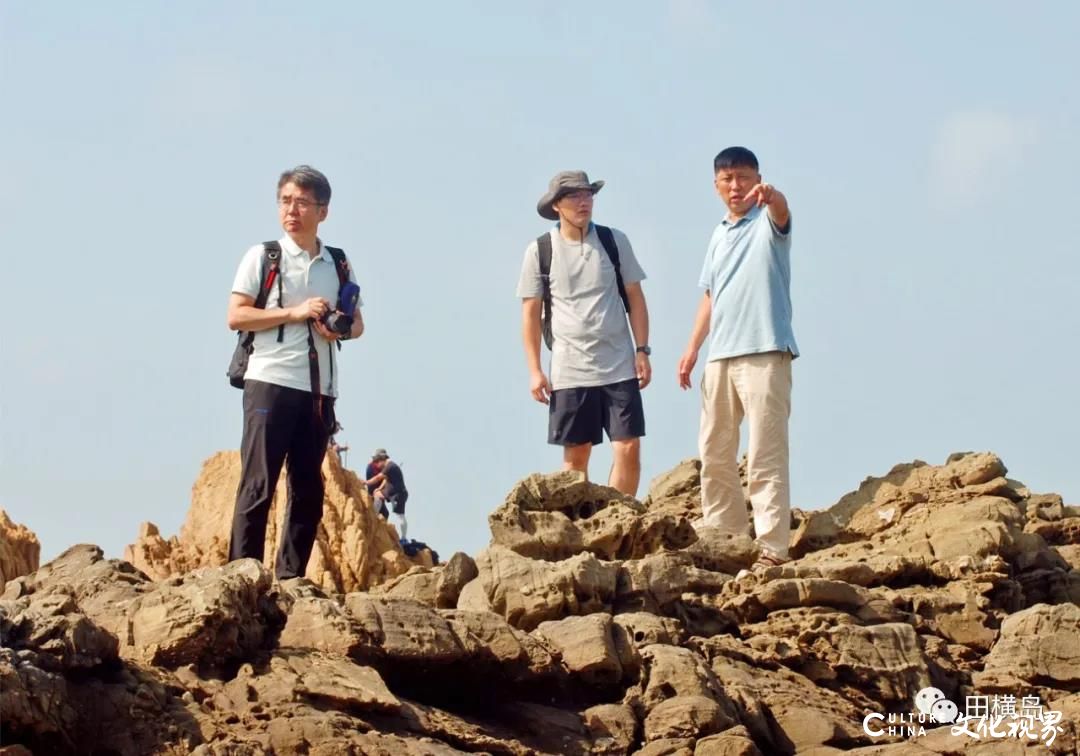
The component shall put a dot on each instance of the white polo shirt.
(285, 363)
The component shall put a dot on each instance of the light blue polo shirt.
(747, 271)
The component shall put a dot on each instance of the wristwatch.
(645, 349)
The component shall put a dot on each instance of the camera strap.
(313, 369)
(341, 265)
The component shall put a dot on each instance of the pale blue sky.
(928, 151)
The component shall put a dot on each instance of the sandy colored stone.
(587, 646)
(354, 548)
(611, 727)
(418, 584)
(761, 599)
(1071, 554)
(687, 717)
(654, 583)
(880, 502)
(667, 747)
(960, 612)
(527, 592)
(722, 552)
(735, 741)
(645, 629)
(52, 625)
(322, 624)
(782, 709)
(459, 571)
(403, 631)
(212, 615)
(496, 650)
(677, 492)
(553, 517)
(1038, 645)
(885, 661)
(671, 671)
(965, 585)
(338, 681)
(549, 729)
(19, 550)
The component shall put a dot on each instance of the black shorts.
(396, 501)
(581, 415)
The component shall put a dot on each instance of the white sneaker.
(699, 525)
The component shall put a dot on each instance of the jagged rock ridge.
(593, 624)
(19, 549)
(354, 547)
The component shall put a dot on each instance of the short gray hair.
(308, 179)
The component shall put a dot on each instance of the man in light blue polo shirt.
(746, 315)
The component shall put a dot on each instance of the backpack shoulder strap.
(341, 263)
(543, 251)
(607, 238)
(270, 273)
(271, 266)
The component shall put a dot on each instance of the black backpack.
(543, 249)
(271, 274)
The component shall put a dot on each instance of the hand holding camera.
(310, 309)
(339, 321)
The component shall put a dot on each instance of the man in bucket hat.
(579, 282)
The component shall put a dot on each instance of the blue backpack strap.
(341, 263)
(608, 240)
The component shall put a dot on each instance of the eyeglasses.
(302, 203)
(581, 195)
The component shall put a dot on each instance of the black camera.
(340, 320)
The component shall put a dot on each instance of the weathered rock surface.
(1039, 646)
(555, 517)
(593, 624)
(528, 591)
(354, 549)
(19, 550)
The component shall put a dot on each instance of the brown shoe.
(768, 560)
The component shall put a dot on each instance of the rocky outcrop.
(554, 517)
(607, 629)
(19, 549)
(354, 548)
(880, 503)
(1039, 646)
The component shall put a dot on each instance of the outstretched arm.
(774, 199)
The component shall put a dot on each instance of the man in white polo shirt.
(746, 314)
(288, 392)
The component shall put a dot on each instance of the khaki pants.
(757, 386)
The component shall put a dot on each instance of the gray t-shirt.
(593, 345)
